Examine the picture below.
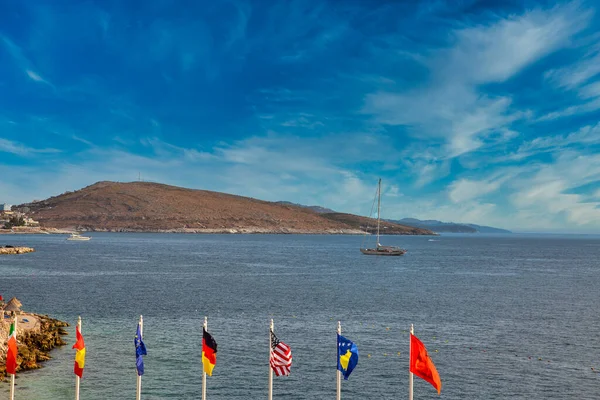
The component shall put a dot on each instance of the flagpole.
(12, 376)
(203, 371)
(77, 376)
(410, 374)
(339, 373)
(139, 377)
(270, 369)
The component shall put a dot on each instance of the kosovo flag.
(140, 350)
(347, 356)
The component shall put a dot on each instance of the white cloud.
(22, 62)
(35, 76)
(451, 106)
(548, 195)
(8, 146)
(497, 52)
(573, 76)
(466, 189)
(590, 91)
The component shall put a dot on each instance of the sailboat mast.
(378, 209)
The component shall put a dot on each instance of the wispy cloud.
(8, 146)
(466, 189)
(577, 74)
(23, 62)
(452, 105)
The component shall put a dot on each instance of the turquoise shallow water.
(487, 308)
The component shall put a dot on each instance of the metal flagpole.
(339, 373)
(378, 209)
(77, 376)
(270, 369)
(410, 374)
(139, 377)
(203, 371)
(12, 377)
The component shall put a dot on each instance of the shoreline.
(225, 231)
(37, 335)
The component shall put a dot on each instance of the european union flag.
(140, 350)
(347, 356)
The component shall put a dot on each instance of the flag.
(209, 352)
(281, 356)
(11, 353)
(347, 356)
(421, 365)
(80, 354)
(140, 350)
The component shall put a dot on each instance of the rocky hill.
(153, 207)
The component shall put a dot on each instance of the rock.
(35, 345)
(16, 250)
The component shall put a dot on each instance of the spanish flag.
(80, 354)
(209, 352)
(11, 353)
(421, 365)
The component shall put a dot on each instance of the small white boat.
(77, 236)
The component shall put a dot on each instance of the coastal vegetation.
(15, 220)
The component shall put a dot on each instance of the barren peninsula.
(154, 207)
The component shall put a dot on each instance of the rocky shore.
(36, 336)
(236, 230)
(33, 230)
(16, 250)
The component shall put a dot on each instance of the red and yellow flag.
(421, 365)
(80, 354)
(11, 353)
(209, 352)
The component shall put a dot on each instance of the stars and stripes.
(281, 356)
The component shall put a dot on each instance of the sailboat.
(380, 250)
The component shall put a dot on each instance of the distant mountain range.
(317, 209)
(449, 227)
(430, 224)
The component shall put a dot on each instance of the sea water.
(507, 316)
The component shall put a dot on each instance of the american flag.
(281, 356)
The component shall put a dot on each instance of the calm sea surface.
(502, 317)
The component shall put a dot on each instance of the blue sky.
(473, 111)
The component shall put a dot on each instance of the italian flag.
(11, 354)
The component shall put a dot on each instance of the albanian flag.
(421, 365)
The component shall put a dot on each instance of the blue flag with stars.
(347, 356)
(140, 350)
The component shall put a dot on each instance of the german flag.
(209, 352)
